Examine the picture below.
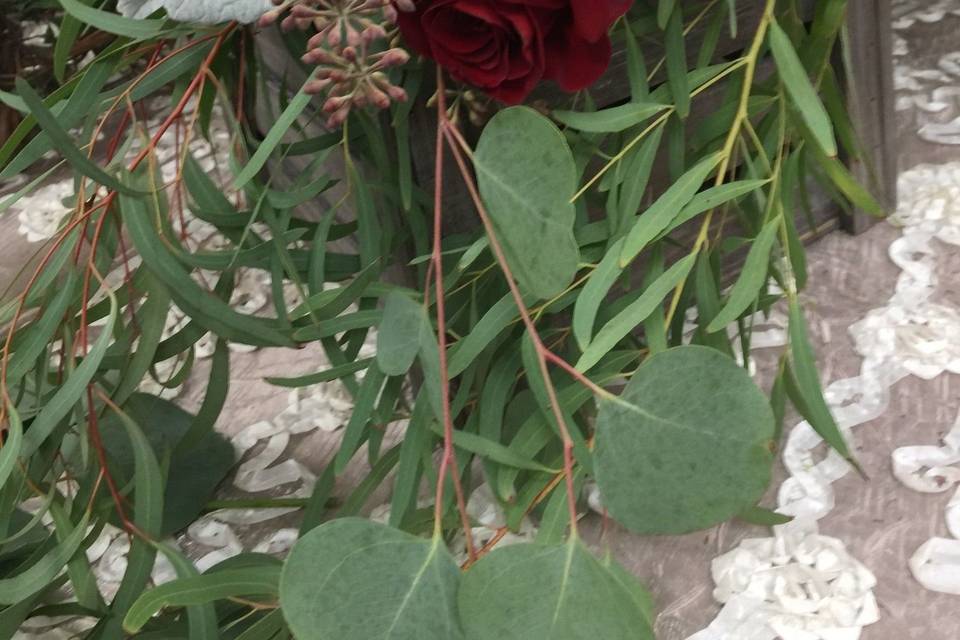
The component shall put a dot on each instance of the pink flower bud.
(333, 36)
(353, 38)
(302, 11)
(395, 57)
(376, 97)
(314, 87)
(397, 93)
(337, 119)
(318, 56)
(373, 32)
(335, 103)
(269, 18)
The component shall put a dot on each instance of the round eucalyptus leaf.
(398, 340)
(550, 592)
(527, 177)
(353, 579)
(688, 446)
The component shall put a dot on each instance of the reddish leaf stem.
(448, 462)
(455, 140)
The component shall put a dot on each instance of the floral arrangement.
(575, 348)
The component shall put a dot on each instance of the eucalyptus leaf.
(336, 572)
(527, 178)
(687, 445)
(610, 120)
(398, 341)
(548, 592)
(753, 277)
(662, 212)
(801, 90)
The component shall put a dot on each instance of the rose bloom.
(505, 47)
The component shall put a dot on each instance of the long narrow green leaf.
(677, 67)
(202, 306)
(64, 144)
(113, 23)
(665, 9)
(340, 324)
(10, 449)
(751, 279)
(69, 114)
(356, 430)
(848, 185)
(655, 219)
(497, 318)
(594, 293)
(333, 373)
(218, 585)
(67, 396)
(38, 334)
(493, 450)
(415, 446)
(630, 318)
(712, 198)
(151, 320)
(804, 384)
(610, 120)
(274, 136)
(801, 90)
(70, 28)
(637, 170)
(16, 588)
(201, 614)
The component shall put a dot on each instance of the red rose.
(505, 47)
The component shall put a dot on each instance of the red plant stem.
(197, 81)
(23, 297)
(96, 441)
(84, 217)
(577, 375)
(127, 273)
(449, 460)
(242, 82)
(93, 426)
(541, 350)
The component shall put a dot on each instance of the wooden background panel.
(872, 103)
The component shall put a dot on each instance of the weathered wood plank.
(871, 103)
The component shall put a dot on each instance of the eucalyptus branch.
(448, 462)
(455, 140)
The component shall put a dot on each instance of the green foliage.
(351, 578)
(527, 178)
(588, 325)
(691, 446)
(551, 592)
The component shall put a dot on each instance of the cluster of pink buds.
(350, 49)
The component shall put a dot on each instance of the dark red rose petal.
(592, 19)
(505, 47)
(575, 63)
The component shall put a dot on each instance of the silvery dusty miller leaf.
(203, 11)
